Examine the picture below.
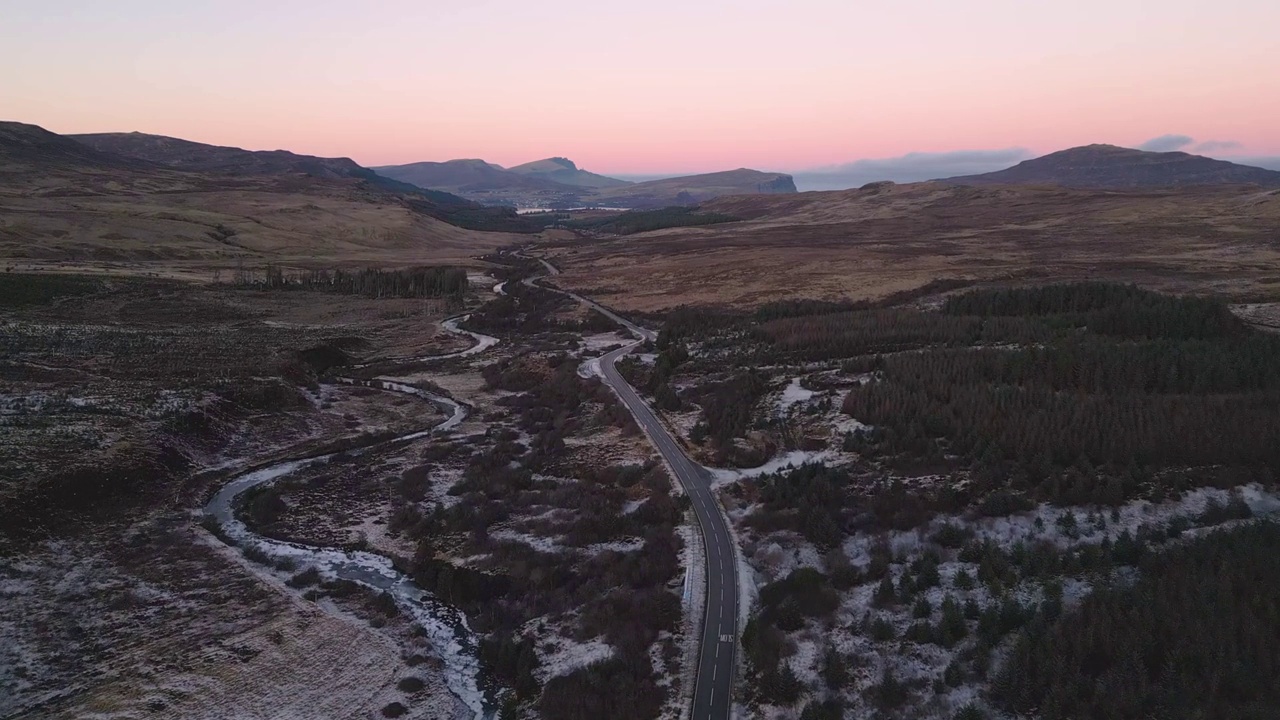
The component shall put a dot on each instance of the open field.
(887, 238)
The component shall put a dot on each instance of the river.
(446, 627)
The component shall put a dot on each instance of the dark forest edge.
(1196, 636)
(638, 221)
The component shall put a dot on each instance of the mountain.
(66, 201)
(1111, 167)
(466, 177)
(564, 171)
(693, 189)
(237, 162)
(559, 183)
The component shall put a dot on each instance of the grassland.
(886, 238)
(66, 205)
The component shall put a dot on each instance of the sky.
(662, 86)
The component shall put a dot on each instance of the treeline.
(868, 332)
(803, 307)
(727, 407)
(1034, 425)
(1106, 308)
(461, 212)
(637, 221)
(1121, 379)
(422, 282)
(21, 289)
(1197, 636)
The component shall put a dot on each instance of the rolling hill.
(885, 238)
(68, 202)
(236, 162)
(1111, 167)
(200, 157)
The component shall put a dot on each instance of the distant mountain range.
(559, 183)
(1118, 168)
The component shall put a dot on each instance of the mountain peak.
(1112, 167)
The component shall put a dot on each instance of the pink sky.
(659, 86)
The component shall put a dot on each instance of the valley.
(286, 438)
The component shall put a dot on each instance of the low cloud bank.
(912, 167)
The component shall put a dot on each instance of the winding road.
(716, 668)
(717, 662)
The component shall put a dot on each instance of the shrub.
(410, 684)
(306, 578)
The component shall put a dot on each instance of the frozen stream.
(445, 625)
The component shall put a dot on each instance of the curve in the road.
(717, 659)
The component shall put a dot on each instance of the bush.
(306, 578)
(410, 684)
(807, 590)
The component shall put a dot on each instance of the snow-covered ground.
(562, 656)
(779, 553)
(784, 461)
(545, 544)
(1047, 523)
(792, 394)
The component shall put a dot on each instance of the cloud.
(1167, 143)
(1212, 146)
(912, 167)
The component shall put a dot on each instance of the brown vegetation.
(868, 243)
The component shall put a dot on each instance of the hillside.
(200, 157)
(1108, 166)
(886, 238)
(564, 171)
(237, 162)
(67, 202)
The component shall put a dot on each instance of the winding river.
(445, 625)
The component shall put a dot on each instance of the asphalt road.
(713, 686)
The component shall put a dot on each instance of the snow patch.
(794, 393)
(790, 460)
(562, 656)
